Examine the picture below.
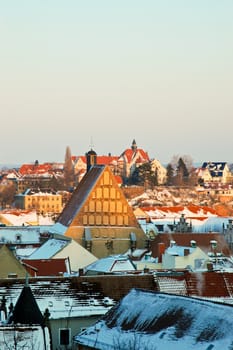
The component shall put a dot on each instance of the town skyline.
(159, 72)
(172, 159)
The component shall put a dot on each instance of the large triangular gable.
(98, 201)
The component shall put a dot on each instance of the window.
(91, 206)
(18, 238)
(64, 336)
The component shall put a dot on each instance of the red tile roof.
(178, 209)
(101, 160)
(27, 169)
(46, 267)
(209, 284)
(107, 160)
(130, 154)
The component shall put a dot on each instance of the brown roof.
(218, 285)
(183, 239)
(78, 288)
(209, 284)
(46, 267)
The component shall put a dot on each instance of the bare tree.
(133, 341)
(7, 193)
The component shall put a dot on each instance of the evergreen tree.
(170, 175)
(143, 175)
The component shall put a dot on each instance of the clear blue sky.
(159, 72)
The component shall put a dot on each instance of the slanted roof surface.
(80, 195)
(47, 267)
(51, 247)
(111, 264)
(212, 285)
(149, 320)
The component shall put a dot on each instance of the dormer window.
(18, 238)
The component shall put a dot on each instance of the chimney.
(186, 252)
(210, 266)
(161, 250)
(193, 243)
(172, 243)
(81, 272)
(213, 245)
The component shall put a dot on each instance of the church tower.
(91, 157)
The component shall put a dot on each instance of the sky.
(101, 73)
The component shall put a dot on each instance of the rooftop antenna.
(91, 143)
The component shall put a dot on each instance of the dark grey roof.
(26, 310)
(215, 168)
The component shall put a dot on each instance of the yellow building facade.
(41, 202)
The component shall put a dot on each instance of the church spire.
(134, 145)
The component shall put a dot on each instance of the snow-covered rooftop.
(149, 320)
